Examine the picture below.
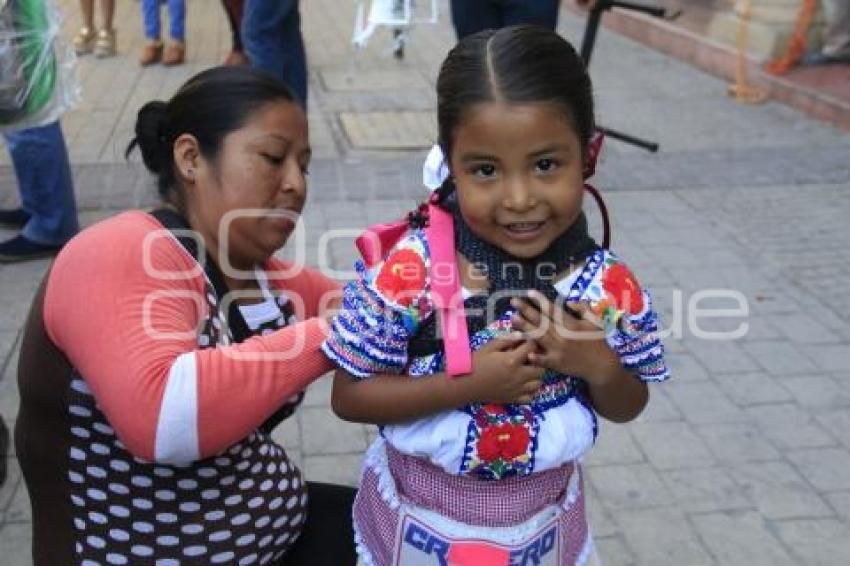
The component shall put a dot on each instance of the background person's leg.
(471, 16)
(177, 19)
(106, 43)
(271, 33)
(46, 186)
(234, 9)
(538, 12)
(150, 16)
(175, 52)
(84, 40)
(152, 50)
(328, 536)
(107, 10)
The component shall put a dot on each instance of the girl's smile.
(518, 171)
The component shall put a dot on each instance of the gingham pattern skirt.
(501, 503)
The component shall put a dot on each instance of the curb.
(720, 60)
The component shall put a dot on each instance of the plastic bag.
(37, 80)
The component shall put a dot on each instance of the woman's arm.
(124, 302)
(313, 293)
(500, 374)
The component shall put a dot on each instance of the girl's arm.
(501, 374)
(615, 393)
(388, 399)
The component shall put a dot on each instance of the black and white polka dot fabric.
(245, 505)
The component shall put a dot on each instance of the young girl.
(154, 50)
(483, 468)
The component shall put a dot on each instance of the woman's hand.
(502, 372)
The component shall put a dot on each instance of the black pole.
(594, 18)
(590, 29)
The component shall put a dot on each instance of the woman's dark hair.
(209, 106)
(516, 64)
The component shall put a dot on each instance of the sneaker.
(14, 218)
(21, 248)
(106, 44)
(151, 53)
(175, 54)
(84, 41)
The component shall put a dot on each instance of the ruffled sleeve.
(381, 309)
(625, 309)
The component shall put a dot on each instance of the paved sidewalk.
(743, 457)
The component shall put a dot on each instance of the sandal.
(84, 41)
(106, 43)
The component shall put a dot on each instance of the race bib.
(419, 544)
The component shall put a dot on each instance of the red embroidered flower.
(506, 441)
(401, 277)
(494, 409)
(623, 289)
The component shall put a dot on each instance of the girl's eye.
(485, 170)
(546, 165)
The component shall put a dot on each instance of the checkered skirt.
(391, 478)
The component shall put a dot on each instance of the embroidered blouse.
(382, 310)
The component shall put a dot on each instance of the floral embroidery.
(402, 277)
(622, 289)
(505, 441)
(500, 442)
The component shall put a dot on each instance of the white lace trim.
(573, 487)
(586, 551)
(376, 460)
(364, 557)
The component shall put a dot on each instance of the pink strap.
(445, 290)
(376, 242)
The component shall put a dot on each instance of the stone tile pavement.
(743, 457)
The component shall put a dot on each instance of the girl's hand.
(569, 338)
(501, 372)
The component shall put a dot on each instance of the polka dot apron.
(245, 505)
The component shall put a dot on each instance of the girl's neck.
(505, 272)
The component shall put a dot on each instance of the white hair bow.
(435, 170)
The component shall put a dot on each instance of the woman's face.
(255, 188)
(518, 171)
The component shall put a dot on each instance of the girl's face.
(259, 178)
(518, 171)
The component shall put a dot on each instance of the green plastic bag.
(33, 87)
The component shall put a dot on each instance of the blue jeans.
(44, 181)
(271, 33)
(471, 16)
(176, 16)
